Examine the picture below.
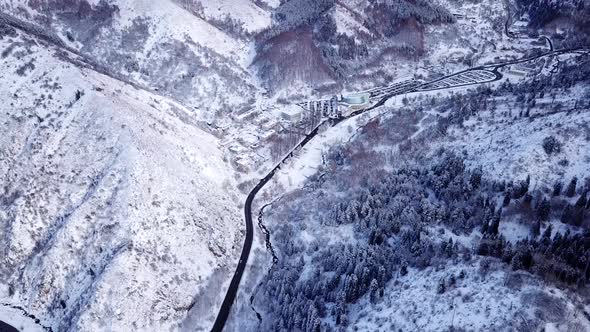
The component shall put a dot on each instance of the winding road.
(6, 328)
(237, 277)
(233, 288)
(235, 282)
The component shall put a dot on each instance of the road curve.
(235, 282)
(232, 291)
(4, 327)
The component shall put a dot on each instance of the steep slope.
(422, 219)
(163, 45)
(349, 38)
(246, 17)
(116, 210)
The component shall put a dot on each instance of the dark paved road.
(4, 327)
(232, 291)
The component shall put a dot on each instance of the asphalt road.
(235, 282)
(4, 327)
(232, 291)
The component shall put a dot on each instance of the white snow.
(246, 12)
(153, 228)
(18, 320)
(479, 302)
(172, 19)
(347, 24)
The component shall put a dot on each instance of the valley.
(411, 165)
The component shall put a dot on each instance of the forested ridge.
(378, 214)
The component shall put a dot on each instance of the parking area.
(478, 76)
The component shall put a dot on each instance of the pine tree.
(581, 202)
(441, 288)
(571, 187)
(567, 214)
(523, 258)
(450, 247)
(547, 232)
(403, 270)
(340, 308)
(485, 227)
(528, 199)
(452, 280)
(577, 214)
(506, 201)
(374, 291)
(536, 229)
(475, 179)
(313, 320)
(557, 188)
(521, 189)
(544, 210)
(495, 225)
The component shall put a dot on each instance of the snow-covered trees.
(570, 191)
(542, 12)
(380, 217)
(388, 214)
(551, 145)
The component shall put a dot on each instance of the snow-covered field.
(252, 17)
(511, 148)
(489, 299)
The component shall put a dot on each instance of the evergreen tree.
(577, 213)
(441, 288)
(521, 189)
(475, 179)
(536, 229)
(340, 308)
(403, 270)
(551, 145)
(522, 259)
(567, 214)
(506, 201)
(528, 199)
(374, 291)
(557, 188)
(547, 232)
(484, 227)
(495, 225)
(544, 210)
(581, 202)
(452, 280)
(570, 191)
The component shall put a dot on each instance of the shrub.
(551, 145)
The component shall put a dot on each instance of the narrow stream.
(270, 248)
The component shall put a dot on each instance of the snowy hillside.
(117, 210)
(402, 165)
(422, 218)
(162, 45)
(246, 13)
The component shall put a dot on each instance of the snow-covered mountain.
(117, 211)
(180, 48)
(132, 130)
